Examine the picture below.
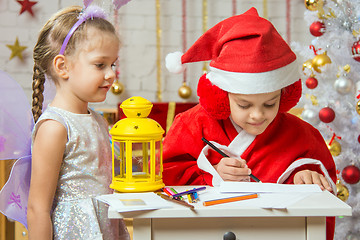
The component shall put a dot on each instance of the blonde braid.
(38, 89)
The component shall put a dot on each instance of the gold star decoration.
(16, 49)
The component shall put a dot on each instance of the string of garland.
(184, 91)
(205, 25)
(288, 21)
(184, 35)
(265, 9)
(234, 7)
(117, 87)
(158, 52)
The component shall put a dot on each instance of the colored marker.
(189, 198)
(166, 190)
(175, 192)
(196, 196)
(189, 191)
(175, 200)
(230, 199)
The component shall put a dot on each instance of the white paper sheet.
(126, 202)
(264, 200)
(253, 187)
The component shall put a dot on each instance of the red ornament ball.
(317, 29)
(327, 115)
(355, 51)
(351, 174)
(359, 138)
(311, 82)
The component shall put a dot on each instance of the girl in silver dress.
(71, 154)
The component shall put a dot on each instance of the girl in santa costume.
(253, 81)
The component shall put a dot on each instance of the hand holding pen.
(230, 168)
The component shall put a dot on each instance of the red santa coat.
(286, 140)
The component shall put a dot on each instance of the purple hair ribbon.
(87, 3)
(90, 12)
(119, 3)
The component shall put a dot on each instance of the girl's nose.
(110, 74)
(257, 113)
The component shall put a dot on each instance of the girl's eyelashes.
(269, 105)
(102, 65)
(244, 106)
(248, 106)
(99, 65)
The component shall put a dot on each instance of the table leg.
(142, 229)
(316, 228)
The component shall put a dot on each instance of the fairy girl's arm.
(47, 155)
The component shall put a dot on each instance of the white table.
(303, 220)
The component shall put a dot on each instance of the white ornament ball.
(343, 85)
(310, 116)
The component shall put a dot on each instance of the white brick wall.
(137, 27)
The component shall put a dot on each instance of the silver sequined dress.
(85, 173)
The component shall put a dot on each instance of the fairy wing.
(14, 194)
(16, 123)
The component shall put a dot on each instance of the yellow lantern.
(136, 149)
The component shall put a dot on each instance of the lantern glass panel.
(119, 159)
(158, 154)
(141, 159)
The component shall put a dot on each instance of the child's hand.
(312, 177)
(231, 169)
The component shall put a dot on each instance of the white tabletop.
(317, 204)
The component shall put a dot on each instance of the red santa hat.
(247, 56)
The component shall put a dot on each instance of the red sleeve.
(182, 146)
(286, 140)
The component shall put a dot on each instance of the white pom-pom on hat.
(173, 62)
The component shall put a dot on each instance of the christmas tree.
(331, 95)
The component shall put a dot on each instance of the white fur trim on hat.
(253, 83)
(173, 62)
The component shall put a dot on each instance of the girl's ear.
(213, 99)
(290, 96)
(60, 66)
